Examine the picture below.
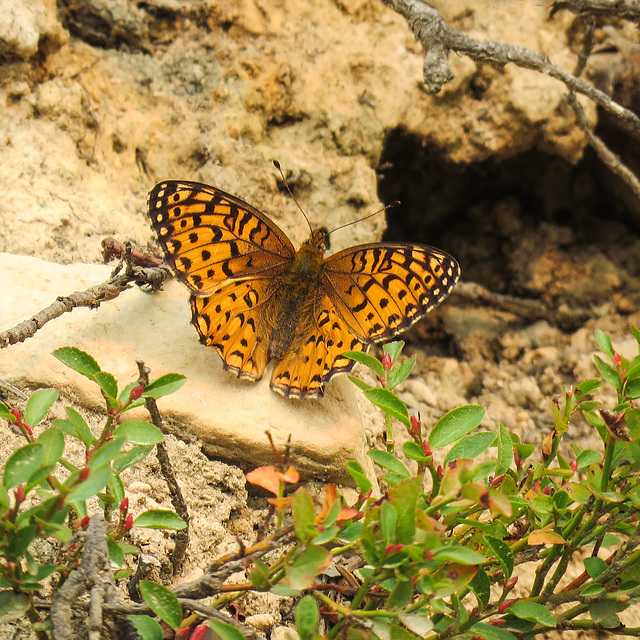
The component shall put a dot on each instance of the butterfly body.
(255, 298)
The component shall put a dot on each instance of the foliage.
(438, 548)
(44, 496)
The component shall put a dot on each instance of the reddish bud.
(496, 482)
(477, 637)
(505, 605)
(386, 361)
(124, 505)
(17, 416)
(183, 633)
(546, 491)
(84, 473)
(574, 465)
(617, 360)
(19, 493)
(136, 392)
(84, 523)
(393, 548)
(428, 555)
(27, 428)
(426, 448)
(633, 518)
(497, 622)
(376, 589)
(440, 471)
(415, 424)
(128, 523)
(199, 633)
(511, 582)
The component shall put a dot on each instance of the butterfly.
(255, 298)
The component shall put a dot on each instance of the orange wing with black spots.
(209, 236)
(382, 289)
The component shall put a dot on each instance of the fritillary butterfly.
(254, 297)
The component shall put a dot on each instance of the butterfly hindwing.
(309, 365)
(382, 289)
(209, 236)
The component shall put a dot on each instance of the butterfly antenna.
(391, 205)
(276, 164)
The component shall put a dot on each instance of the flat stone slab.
(228, 416)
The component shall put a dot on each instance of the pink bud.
(386, 361)
(19, 493)
(497, 622)
(136, 392)
(427, 448)
(415, 424)
(200, 632)
(84, 523)
(440, 471)
(85, 472)
(617, 360)
(574, 465)
(512, 582)
(505, 605)
(124, 505)
(128, 523)
(17, 416)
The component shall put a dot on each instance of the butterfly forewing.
(209, 236)
(382, 289)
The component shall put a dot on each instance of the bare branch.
(627, 9)
(438, 39)
(92, 298)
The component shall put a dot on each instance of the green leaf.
(78, 360)
(588, 386)
(604, 341)
(632, 388)
(19, 542)
(390, 404)
(369, 361)
(393, 349)
(459, 555)
(22, 464)
(489, 632)
(587, 457)
(532, 611)
(147, 627)
(481, 586)
(53, 442)
(13, 605)
(108, 384)
(162, 602)
(82, 429)
(607, 372)
(137, 432)
(303, 515)
(389, 461)
(361, 384)
(505, 450)
(164, 385)
(401, 372)
(224, 631)
(594, 590)
(130, 458)
(159, 519)
(307, 616)
(38, 405)
(595, 566)
(455, 424)
(116, 554)
(359, 477)
(414, 451)
(388, 521)
(404, 498)
(96, 482)
(503, 553)
(5, 413)
(106, 452)
(400, 595)
(470, 446)
(311, 562)
(351, 532)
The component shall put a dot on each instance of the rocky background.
(102, 99)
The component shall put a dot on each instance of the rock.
(228, 416)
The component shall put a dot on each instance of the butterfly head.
(319, 239)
